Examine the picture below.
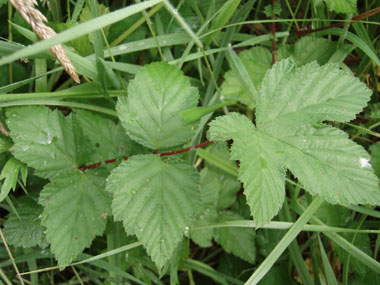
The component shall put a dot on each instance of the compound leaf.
(46, 140)
(75, 203)
(75, 211)
(151, 114)
(292, 105)
(155, 198)
(238, 241)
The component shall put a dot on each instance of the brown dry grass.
(36, 19)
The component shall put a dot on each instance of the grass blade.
(267, 264)
(80, 30)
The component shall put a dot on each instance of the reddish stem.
(97, 164)
(185, 149)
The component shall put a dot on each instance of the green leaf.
(342, 6)
(267, 239)
(238, 241)
(333, 215)
(218, 191)
(75, 211)
(292, 97)
(327, 163)
(151, 113)
(80, 30)
(203, 237)
(363, 243)
(106, 137)
(261, 168)
(243, 76)
(2, 2)
(75, 203)
(25, 230)
(326, 265)
(256, 61)
(279, 275)
(270, 11)
(108, 75)
(375, 157)
(226, 184)
(194, 114)
(207, 214)
(81, 44)
(225, 13)
(373, 111)
(5, 144)
(308, 49)
(10, 173)
(289, 133)
(46, 140)
(86, 15)
(155, 198)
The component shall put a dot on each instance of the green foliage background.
(204, 145)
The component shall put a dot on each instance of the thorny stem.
(97, 164)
